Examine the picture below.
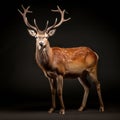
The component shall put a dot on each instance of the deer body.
(68, 62)
(59, 63)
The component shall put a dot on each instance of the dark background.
(94, 24)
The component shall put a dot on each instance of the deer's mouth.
(41, 47)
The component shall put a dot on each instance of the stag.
(59, 63)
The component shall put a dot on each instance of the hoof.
(81, 108)
(101, 109)
(62, 112)
(51, 110)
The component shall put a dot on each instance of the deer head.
(42, 35)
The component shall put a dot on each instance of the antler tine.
(52, 25)
(24, 7)
(20, 12)
(58, 10)
(62, 13)
(46, 26)
(36, 24)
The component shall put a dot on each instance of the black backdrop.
(92, 24)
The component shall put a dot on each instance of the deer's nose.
(41, 44)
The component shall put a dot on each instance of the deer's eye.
(37, 38)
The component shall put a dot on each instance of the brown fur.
(67, 61)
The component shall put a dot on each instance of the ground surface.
(22, 113)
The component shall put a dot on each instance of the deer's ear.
(51, 32)
(32, 32)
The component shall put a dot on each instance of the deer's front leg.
(53, 92)
(59, 92)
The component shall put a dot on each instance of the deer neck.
(44, 56)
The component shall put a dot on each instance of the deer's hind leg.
(83, 81)
(93, 76)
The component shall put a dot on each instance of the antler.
(55, 25)
(25, 11)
